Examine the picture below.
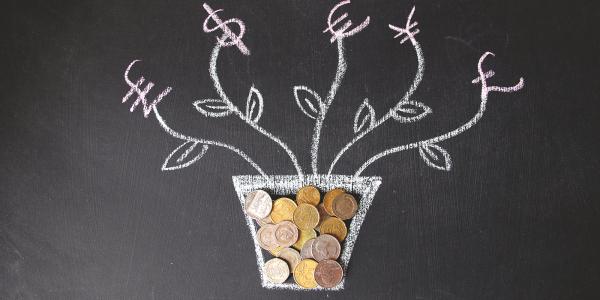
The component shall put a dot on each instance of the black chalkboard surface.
(490, 189)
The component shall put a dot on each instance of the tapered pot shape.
(363, 188)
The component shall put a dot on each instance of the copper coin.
(323, 215)
(258, 204)
(266, 237)
(308, 194)
(334, 226)
(329, 273)
(286, 233)
(306, 251)
(325, 247)
(344, 206)
(328, 200)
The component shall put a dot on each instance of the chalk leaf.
(213, 107)
(254, 105)
(186, 154)
(365, 116)
(410, 111)
(435, 156)
(308, 100)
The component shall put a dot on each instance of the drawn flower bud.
(308, 100)
(410, 111)
(254, 105)
(183, 156)
(213, 107)
(365, 116)
(435, 156)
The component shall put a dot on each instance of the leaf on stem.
(410, 111)
(213, 107)
(435, 156)
(184, 155)
(254, 105)
(308, 100)
(364, 115)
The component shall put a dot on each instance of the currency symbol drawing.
(407, 29)
(229, 38)
(341, 32)
(141, 94)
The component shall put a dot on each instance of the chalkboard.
(125, 122)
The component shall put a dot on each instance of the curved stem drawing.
(417, 80)
(339, 75)
(217, 84)
(485, 89)
(178, 135)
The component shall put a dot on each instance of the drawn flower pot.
(363, 188)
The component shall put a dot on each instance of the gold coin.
(304, 273)
(308, 194)
(328, 200)
(303, 236)
(283, 210)
(334, 226)
(306, 216)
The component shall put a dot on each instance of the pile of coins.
(304, 235)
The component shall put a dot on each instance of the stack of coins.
(304, 236)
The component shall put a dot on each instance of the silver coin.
(306, 251)
(291, 256)
(258, 204)
(264, 221)
(266, 237)
(286, 233)
(325, 247)
(276, 270)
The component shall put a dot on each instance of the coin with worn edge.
(277, 270)
(291, 256)
(304, 273)
(328, 200)
(283, 210)
(334, 226)
(306, 216)
(286, 233)
(325, 247)
(329, 273)
(308, 194)
(258, 204)
(344, 206)
(306, 251)
(304, 236)
(266, 237)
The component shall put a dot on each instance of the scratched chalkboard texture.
(87, 213)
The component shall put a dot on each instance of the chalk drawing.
(141, 98)
(340, 33)
(405, 110)
(234, 39)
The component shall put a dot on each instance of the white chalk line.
(217, 84)
(417, 80)
(178, 135)
(364, 187)
(339, 75)
(432, 141)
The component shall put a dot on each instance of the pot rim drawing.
(363, 186)
(311, 103)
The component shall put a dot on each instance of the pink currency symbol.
(341, 32)
(407, 29)
(234, 39)
(141, 94)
